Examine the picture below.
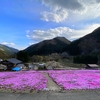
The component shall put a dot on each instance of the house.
(3, 67)
(35, 66)
(92, 66)
(42, 66)
(21, 66)
(12, 62)
(30, 66)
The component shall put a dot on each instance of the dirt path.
(51, 85)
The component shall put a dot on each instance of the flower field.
(27, 80)
(36, 80)
(76, 79)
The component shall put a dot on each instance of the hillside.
(6, 51)
(55, 45)
(87, 44)
(3, 55)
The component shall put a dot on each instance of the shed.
(20, 66)
(3, 67)
(30, 66)
(12, 62)
(35, 68)
(92, 66)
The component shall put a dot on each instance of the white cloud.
(8, 44)
(39, 35)
(98, 1)
(66, 4)
(57, 16)
(31, 43)
(91, 10)
(71, 34)
(59, 9)
(78, 9)
(82, 32)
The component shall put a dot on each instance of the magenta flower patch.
(76, 79)
(23, 80)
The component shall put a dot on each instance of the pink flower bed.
(22, 80)
(77, 79)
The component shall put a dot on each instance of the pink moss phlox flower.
(76, 79)
(23, 80)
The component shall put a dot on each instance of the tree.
(86, 59)
(37, 58)
(23, 56)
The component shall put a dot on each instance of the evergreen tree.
(23, 56)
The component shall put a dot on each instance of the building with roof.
(14, 61)
(10, 63)
(3, 67)
(92, 66)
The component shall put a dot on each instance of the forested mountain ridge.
(46, 47)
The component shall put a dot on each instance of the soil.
(51, 85)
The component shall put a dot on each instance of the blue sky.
(26, 22)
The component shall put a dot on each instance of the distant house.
(32, 66)
(92, 66)
(12, 62)
(3, 67)
(36, 66)
(20, 66)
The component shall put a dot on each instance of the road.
(52, 95)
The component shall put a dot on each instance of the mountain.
(55, 45)
(7, 51)
(88, 44)
(3, 54)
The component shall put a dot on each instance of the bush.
(85, 59)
